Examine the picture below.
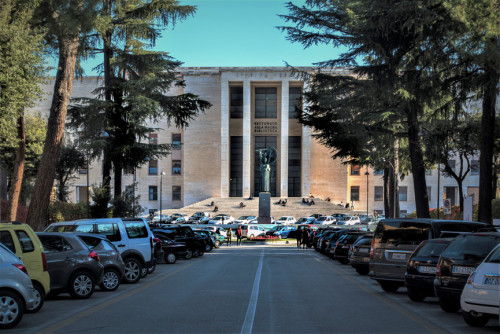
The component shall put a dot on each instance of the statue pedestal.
(264, 208)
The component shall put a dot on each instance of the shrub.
(62, 211)
(22, 211)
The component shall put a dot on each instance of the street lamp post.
(88, 185)
(367, 174)
(161, 186)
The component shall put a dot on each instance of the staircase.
(231, 207)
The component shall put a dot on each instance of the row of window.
(176, 167)
(474, 168)
(265, 102)
(176, 193)
(378, 194)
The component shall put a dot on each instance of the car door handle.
(121, 245)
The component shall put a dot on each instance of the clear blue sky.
(235, 33)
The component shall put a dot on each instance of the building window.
(266, 101)
(176, 193)
(153, 193)
(153, 139)
(176, 141)
(236, 171)
(294, 166)
(236, 106)
(403, 194)
(379, 193)
(153, 167)
(176, 167)
(450, 193)
(429, 192)
(378, 172)
(294, 102)
(474, 167)
(82, 194)
(354, 193)
(355, 169)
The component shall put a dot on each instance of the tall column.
(284, 137)
(224, 140)
(306, 153)
(247, 138)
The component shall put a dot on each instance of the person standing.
(298, 235)
(305, 238)
(229, 235)
(239, 233)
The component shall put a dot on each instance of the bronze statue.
(267, 156)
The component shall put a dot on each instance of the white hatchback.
(480, 298)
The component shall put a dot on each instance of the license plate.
(427, 269)
(398, 256)
(462, 270)
(491, 281)
(363, 250)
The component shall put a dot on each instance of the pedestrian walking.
(298, 235)
(239, 233)
(229, 235)
(305, 238)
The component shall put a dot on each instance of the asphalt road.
(248, 289)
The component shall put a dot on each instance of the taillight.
(44, 262)
(438, 272)
(21, 267)
(470, 280)
(94, 256)
(372, 249)
(152, 243)
(158, 241)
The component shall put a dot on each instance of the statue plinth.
(264, 208)
(267, 156)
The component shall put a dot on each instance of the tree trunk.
(17, 175)
(387, 206)
(37, 213)
(395, 182)
(417, 166)
(486, 146)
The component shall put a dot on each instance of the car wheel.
(189, 255)
(152, 268)
(448, 305)
(170, 258)
(415, 295)
(389, 287)
(362, 271)
(133, 270)
(11, 309)
(208, 248)
(251, 236)
(475, 320)
(39, 298)
(81, 285)
(217, 244)
(196, 253)
(110, 280)
(144, 272)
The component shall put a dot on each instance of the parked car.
(325, 220)
(217, 238)
(457, 262)
(168, 250)
(199, 218)
(109, 255)
(174, 217)
(348, 220)
(286, 220)
(160, 219)
(422, 267)
(209, 241)
(395, 240)
(338, 216)
(220, 220)
(280, 232)
(343, 245)
(195, 245)
(305, 220)
(359, 254)
(73, 267)
(22, 241)
(331, 241)
(252, 231)
(480, 299)
(132, 236)
(244, 219)
(324, 241)
(16, 289)
(316, 215)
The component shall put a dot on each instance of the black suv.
(194, 244)
(457, 262)
(343, 244)
(421, 269)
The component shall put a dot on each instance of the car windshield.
(218, 218)
(276, 228)
(60, 228)
(346, 218)
(470, 247)
(432, 249)
(321, 219)
(283, 218)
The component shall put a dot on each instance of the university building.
(252, 108)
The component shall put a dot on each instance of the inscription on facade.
(265, 127)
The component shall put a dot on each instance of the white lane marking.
(252, 306)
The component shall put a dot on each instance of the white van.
(252, 231)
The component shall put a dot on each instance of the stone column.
(306, 153)
(247, 138)
(224, 140)
(284, 138)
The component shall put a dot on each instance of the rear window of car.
(136, 229)
(402, 233)
(494, 257)
(464, 227)
(60, 228)
(364, 242)
(54, 244)
(470, 247)
(25, 241)
(85, 228)
(7, 241)
(110, 230)
(432, 249)
(91, 242)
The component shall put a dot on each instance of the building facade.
(215, 156)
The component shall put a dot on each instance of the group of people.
(347, 205)
(282, 202)
(308, 202)
(303, 236)
(239, 236)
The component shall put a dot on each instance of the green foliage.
(100, 198)
(60, 211)
(70, 160)
(126, 205)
